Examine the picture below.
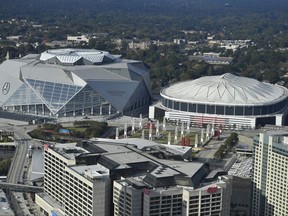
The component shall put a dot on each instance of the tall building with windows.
(270, 169)
(108, 178)
(71, 188)
(132, 196)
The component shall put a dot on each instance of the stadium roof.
(73, 56)
(66, 72)
(226, 89)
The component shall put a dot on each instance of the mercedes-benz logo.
(6, 88)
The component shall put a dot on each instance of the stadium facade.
(226, 100)
(69, 82)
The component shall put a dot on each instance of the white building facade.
(211, 199)
(226, 100)
(270, 168)
(77, 190)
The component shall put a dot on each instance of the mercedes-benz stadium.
(227, 100)
(69, 82)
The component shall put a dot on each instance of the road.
(22, 142)
(15, 173)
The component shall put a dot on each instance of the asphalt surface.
(15, 175)
(22, 141)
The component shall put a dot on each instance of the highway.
(22, 141)
(15, 173)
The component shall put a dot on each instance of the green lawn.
(77, 129)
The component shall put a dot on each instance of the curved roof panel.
(226, 89)
(73, 55)
(68, 59)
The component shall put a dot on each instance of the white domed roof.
(225, 89)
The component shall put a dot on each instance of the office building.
(109, 178)
(73, 190)
(270, 169)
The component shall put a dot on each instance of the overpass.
(20, 187)
(7, 144)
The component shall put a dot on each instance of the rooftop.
(242, 168)
(102, 157)
(226, 89)
(77, 56)
(5, 209)
(92, 172)
(69, 151)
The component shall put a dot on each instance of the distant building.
(211, 58)
(231, 44)
(270, 168)
(37, 26)
(14, 38)
(58, 44)
(78, 39)
(179, 41)
(162, 43)
(140, 45)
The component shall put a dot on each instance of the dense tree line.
(153, 19)
(4, 166)
(167, 64)
(264, 22)
(93, 128)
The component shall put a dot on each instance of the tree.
(4, 166)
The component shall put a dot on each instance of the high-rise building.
(131, 197)
(270, 169)
(108, 178)
(74, 190)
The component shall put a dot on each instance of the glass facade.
(23, 96)
(44, 89)
(54, 95)
(224, 110)
(88, 100)
(46, 98)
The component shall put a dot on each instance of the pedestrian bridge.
(7, 144)
(20, 187)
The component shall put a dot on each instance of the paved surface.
(22, 202)
(36, 169)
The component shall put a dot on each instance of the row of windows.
(60, 185)
(224, 110)
(76, 210)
